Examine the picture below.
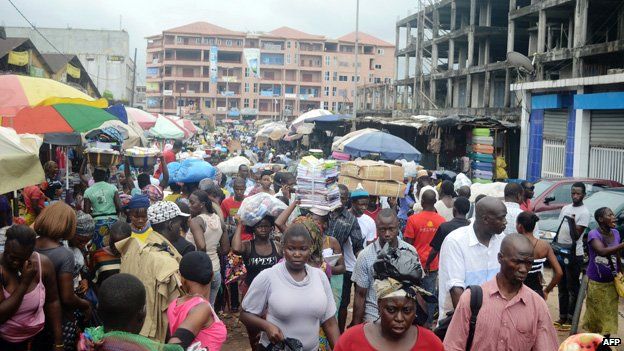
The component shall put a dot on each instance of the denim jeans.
(214, 287)
(430, 283)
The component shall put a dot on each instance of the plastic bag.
(256, 207)
(398, 263)
(461, 180)
(191, 171)
(289, 344)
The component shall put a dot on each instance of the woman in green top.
(102, 202)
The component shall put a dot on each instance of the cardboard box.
(388, 188)
(372, 170)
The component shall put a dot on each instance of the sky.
(142, 18)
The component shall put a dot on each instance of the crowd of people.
(133, 263)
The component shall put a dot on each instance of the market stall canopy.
(188, 125)
(19, 158)
(165, 128)
(475, 121)
(387, 146)
(273, 131)
(338, 145)
(230, 166)
(331, 118)
(17, 92)
(61, 118)
(309, 116)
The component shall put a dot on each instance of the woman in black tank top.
(259, 253)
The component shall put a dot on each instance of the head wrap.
(154, 193)
(359, 193)
(315, 234)
(197, 267)
(397, 273)
(85, 225)
(138, 201)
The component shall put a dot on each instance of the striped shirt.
(103, 262)
(521, 323)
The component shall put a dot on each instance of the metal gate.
(606, 151)
(553, 158)
(553, 152)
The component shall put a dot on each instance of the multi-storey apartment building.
(298, 71)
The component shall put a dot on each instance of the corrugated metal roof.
(9, 44)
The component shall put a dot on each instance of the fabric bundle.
(317, 183)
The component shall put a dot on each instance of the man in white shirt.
(469, 255)
(569, 285)
(513, 198)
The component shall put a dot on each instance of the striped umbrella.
(60, 118)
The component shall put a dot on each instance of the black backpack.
(476, 299)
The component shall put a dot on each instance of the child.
(106, 261)
(137, 213)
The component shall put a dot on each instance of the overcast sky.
(141, 18)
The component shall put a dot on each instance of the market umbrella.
(17, 92)
(165, 128)
(188, 125)
(387, 146)
(338, 145)
(132, 136)
(145, 119)
(19, 157)
(308, 116)
(60, 118)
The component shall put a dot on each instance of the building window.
(288, 44)
(246, 86)
(334, 91)
(353, 78)
(327, 76)
(380, 51)
(228, 42)
(179, 40)
(333, 107)
(255, 87)
(296, 44)
(343, 79)
(246, 103)
(326, 91)
(327, 60)
(377, 80)
(288, 58)
(377, 66)
(297, 59)
(335, 76)
(207, 103)
(255, 103)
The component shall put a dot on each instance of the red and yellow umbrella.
(59, 118)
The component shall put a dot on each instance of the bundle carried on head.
(397, 273)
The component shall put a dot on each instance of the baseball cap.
(163, 211)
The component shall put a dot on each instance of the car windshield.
(611, 199)
(541, 187)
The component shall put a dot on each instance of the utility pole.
(134, 74)
(357, 49)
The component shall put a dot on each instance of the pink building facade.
(298, 72)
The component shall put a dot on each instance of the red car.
(554, 193)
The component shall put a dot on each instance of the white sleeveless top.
(212, 236)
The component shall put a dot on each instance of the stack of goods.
(142, 157)
(376, 177)
(256, 207)
(101, 157)
(317, 183)
(482, 156)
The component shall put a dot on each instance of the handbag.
(476, 299)
(565, 251)
(618, 278)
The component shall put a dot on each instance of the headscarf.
(315, 233)
(154, 192)
(138, 201)
(398, 273)
(85, 225)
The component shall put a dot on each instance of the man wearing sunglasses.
(529, 189)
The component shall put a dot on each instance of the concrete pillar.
(620, 32)
(396, 45)
(581, 143)
(511, 34)
(406, 71)
(453, 14)
(541, 32)
(462, 58)
(468, 90)
(580, 35)
(486, 89)
(451, 54)
(571, 32)
(524, 133)
(432, 91)
(449, 93)
(471, 37)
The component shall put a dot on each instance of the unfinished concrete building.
(572, 116)
(453, 54)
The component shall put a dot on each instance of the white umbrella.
(309, 115)
(20, 161)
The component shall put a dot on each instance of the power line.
(36, 30)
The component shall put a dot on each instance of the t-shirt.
(354, 339)
(277, 294)
(102, 197)
(62, 259)
(446, 212)
(373, 214)
(422, 228)
(169, 157)
(230, 207)
(599, 269)
(581, 217)
(444, 230)
(368, 228)
(183, 246)
(142, 235)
